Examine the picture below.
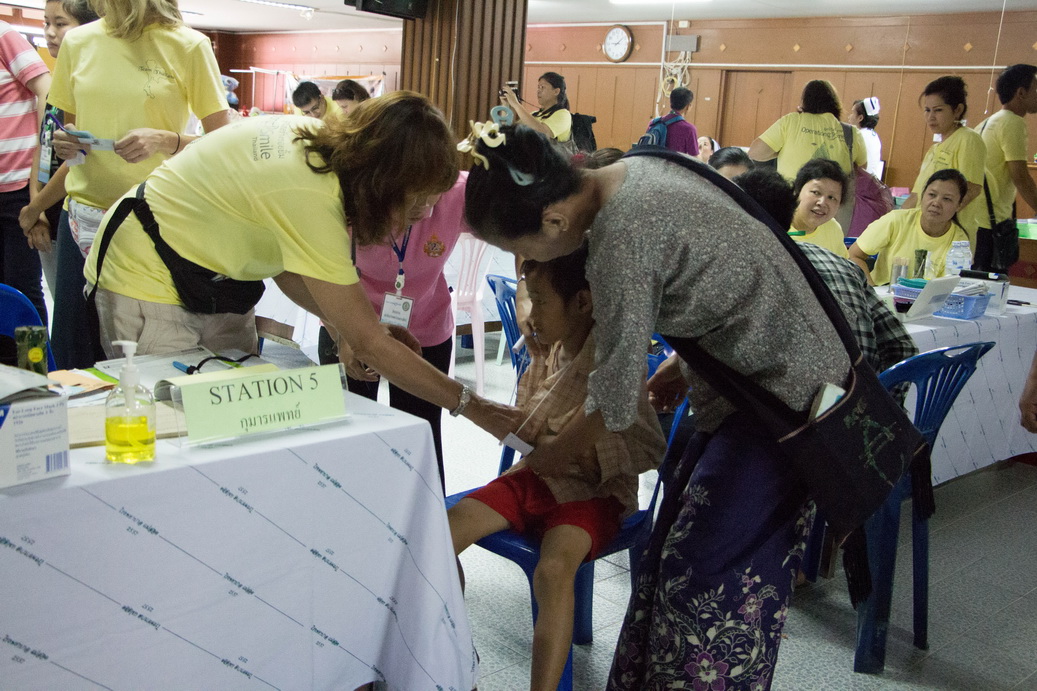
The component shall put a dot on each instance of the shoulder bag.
(997, 246)
(852, 455)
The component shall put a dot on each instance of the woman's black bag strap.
(817, 284)
(126, 206)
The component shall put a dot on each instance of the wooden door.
(752, 102)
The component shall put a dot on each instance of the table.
(983, 425)
(316, 559)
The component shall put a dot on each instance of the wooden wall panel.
(461, 54)
(614, 94)
(753, 101)
(889, 57)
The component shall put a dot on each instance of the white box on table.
(33, 428)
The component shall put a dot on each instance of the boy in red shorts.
(575, 509)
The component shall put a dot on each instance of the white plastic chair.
(467, 296)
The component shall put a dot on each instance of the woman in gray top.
(671, 253)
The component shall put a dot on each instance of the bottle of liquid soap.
(129, 427)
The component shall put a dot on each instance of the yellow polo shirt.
(898, 234)
(964, 151)
(828, 235)
(1005, 136)
(801, 137)
(113, 86)
(560, 122)
(242, 202)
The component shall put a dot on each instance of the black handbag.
(997, 246)
(201, 290)
(849, 457)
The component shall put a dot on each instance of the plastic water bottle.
(959, 257)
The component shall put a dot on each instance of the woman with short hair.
(820, 188)
(813, 131)
(932, 226)
(272, 197)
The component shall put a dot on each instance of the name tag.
(46, 154)
(512, 441)
(396, 310)
(97, 144)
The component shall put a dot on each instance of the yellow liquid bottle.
(129, 439)
(129, 427)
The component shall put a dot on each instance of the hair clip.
(490, 135)
(521, 179)
(503, 116)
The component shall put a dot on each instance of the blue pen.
(181, 366)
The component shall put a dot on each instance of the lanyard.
(401, 253)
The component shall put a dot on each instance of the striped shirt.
(19, 65)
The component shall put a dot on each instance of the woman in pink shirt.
(425, 249)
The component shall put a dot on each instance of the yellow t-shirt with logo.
(898, 234)
(113, 86)
(331, 109)
(801, 137)
(1005, 136)
(560, 122)
(240, 201)
(828, 235)
(964, 151)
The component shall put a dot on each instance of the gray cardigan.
(670, 253)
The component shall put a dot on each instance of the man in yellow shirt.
(1005, 136)
(309, 101)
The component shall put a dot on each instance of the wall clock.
(618, 43)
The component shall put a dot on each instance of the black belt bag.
(200, 289)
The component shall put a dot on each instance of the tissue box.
(33, 429)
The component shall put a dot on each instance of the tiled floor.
(983, 612)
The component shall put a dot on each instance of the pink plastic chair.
(468, 295)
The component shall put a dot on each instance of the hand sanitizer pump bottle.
(129, 427)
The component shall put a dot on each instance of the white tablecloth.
(320, 559)
(983, 426)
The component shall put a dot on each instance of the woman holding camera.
(552, 119)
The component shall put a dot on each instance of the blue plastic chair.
(940, 376)
(524, 551)
(15, 311)
(657, 358)
(504, 294)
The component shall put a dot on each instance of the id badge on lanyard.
(46, 155)
(397, 309)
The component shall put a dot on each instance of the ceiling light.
(284, 5)
(657, 2)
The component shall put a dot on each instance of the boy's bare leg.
(471, 520)
(561, 553)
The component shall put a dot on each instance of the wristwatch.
(463, 401)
